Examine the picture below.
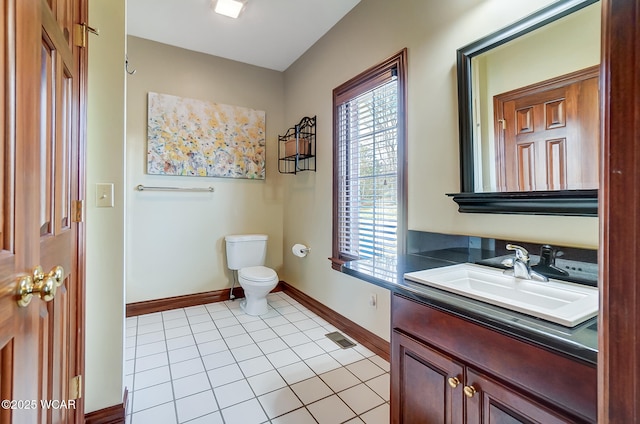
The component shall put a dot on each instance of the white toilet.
(246, 255)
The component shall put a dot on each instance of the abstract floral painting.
(201, 138)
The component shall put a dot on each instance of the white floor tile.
(214, 346)
(217, 360)
(214, 418)
(330, 410)
(195, 310)
(149, 328)
(379, 415)
(183, 354)
(222, 365)
(151, 377)
(279, 402)
(299, 416)
(186, 386)
(381, 385)
(311, 390)
(381, 363)
(226, 322)
(283, 330)
(307, 324)
(152, 396)
(276, 321)
(224, 375)
(360, 398)
(150, 318)
(180, 342)
(201, 327)
(175, 323)
(208, 337)
(322, 363)
(339, 379)
(173, 314)
(255, 366)
(346, 356)
(283, 357)
(243, 353)
(233, 393)
(196, 406)
(237, 341)
(177, 332)
(161, 414)
(221, 314)
(273, 345)
(151, 361)
(149, 338)
(308, 350)
(266, 382)
(295, 372)
(151, 349)
(249, 412)
(262, 335)
(255, 325)
(186, 368)
(365, 369)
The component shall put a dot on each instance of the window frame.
(359, 84)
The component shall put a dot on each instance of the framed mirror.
(529, 110)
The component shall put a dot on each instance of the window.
(369, 172)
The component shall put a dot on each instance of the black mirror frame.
(562, 202)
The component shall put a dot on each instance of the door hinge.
(75, 387)
(77, 211)
(504, 123)
(80, 34)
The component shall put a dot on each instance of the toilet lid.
(258, 273)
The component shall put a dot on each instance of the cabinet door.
(425, 384)
(488, 401)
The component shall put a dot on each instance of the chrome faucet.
(519, 264)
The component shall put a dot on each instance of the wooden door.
(425, 384)
(548, 134)
(41, 340)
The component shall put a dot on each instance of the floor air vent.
(339, 339)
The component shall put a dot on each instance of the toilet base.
(254, 306)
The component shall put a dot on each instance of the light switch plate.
(104, 195)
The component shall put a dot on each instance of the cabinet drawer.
(553, 378)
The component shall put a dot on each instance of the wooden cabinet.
(446, 369)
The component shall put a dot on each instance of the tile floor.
(215, 364)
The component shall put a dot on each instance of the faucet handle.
(521, 253)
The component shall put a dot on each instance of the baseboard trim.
(371, 341)
(374, 343)
(111, 415)
(185, 301)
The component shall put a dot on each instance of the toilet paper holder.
(300, 250)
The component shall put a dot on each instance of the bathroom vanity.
(455, 359)
(447, 369)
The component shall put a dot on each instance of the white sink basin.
(557, 301)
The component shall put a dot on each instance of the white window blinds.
(367, 167)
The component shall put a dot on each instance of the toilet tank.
(246, 250)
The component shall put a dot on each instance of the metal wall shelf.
(297, 147)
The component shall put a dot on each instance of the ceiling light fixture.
(230, 8)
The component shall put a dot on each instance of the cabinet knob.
(453, 382)
(469, 391)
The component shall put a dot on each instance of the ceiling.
(269, 33)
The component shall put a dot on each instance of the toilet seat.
(258, 274)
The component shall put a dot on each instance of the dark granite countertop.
(580, 342)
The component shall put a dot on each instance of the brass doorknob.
(44, 285)
(469, 391)
(453, 382)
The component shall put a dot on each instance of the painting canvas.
(201, 138)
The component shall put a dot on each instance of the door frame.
(619, 212)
